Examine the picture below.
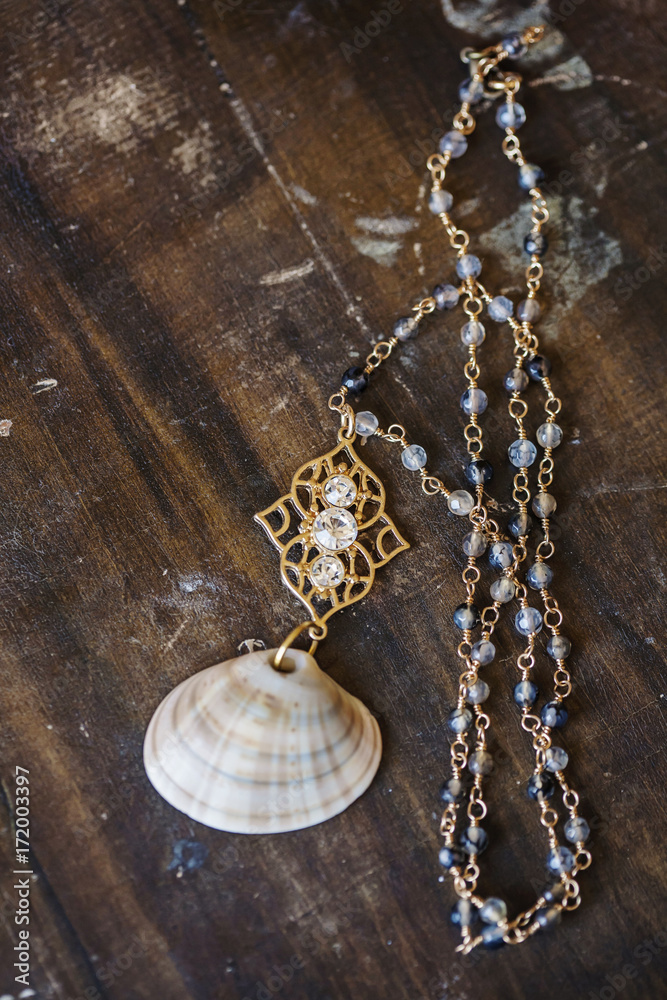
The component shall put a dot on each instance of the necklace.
(269, 743)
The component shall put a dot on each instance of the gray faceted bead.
(453, 790)
(406, 328)
(493, 936)
(529, 311)
(516, 380)
(577, 829)
(471, 91)
(501, 555)
(480, 762)
(454, 143)
(530, 176)
(539, 576)
(544, 504)
(555, 893)
(560, 860)
(528, 621)
(463, 913)
(474, 544)
(483, 652)
(446, 296)
(366, 423)
(510, 115)
(548, 917)
(414, 457)
(522, 453)
(493, 910)
(466, 617)
(500, 308)
(474, 840)
(555, 759)
(477, 693)
(460, 720)
(559, 647)
(549, 435)
(525, 694)
(520, 524)
(472, 333)
(474, 400)
(440, 201)
(468, 266)
(502, 590)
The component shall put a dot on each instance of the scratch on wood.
(174, 639)
(288, 273)
(5, 427)
(44, 385)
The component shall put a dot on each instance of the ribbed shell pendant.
(246, 748)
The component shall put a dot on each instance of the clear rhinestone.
(327, 571)
(334, 529)
(340, 491)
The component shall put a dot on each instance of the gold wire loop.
(311, 625)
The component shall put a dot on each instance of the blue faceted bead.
(539, 576)
(493, 910)
(559, 647)
(453, 790)
(514, 45)
(493, 936)
(536, 243)
(520, 524)
(555, 893)
(471, 91)
(510, 115)
(460, 720)
(478, 472)
(525, 693)
(474, 840)
(560, 860)
(522, 453)
(480, 762)
(501, 555)
(464, 914)
(454, 143)
(474, 400)
(555, 759)
(540, 787)
(446, 296)
(477, 693)
(500, 308)
(468, 266)
(451, 857)
(440, 201)
(516, 380)
(548, 917)
(538, 367)
(577, 829)
(466, 617)
(483, 652)
(530, 176)
(554, 714)
(527, 621)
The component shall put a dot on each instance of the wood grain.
(208, 212)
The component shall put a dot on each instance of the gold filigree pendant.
(332, 531)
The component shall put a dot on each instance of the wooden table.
(208, 212)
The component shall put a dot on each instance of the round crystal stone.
(340, 491)
(327, 571)
(334, 529)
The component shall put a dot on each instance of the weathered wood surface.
(205, 216)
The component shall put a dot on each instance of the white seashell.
(245, 748)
